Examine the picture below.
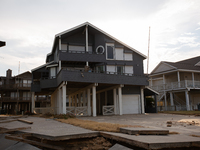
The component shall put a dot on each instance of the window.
(129, 70)
(74, 48)
(110, 51)
(63, 46)
(128, 56)
(119, 53)
(119, 69)
(53, 72)
(110, 69)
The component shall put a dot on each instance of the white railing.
(177, 85)
(77, 111)
(109, 110)
(44, 110)
(70, 110)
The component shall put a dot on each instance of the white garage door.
(130, 104)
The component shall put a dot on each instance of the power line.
(148, 52)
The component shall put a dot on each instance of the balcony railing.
(177, 85)
(15, 98)
(14, 86)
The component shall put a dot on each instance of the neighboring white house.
(178, 84)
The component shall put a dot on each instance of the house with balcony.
(15, 93)
(89, 72)
(178, 84)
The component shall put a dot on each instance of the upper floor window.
(128, 56)
(63, 46)
(119, 69)
(110, 51)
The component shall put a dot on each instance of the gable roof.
(190, 64)
(89, 24)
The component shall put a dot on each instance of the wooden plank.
(13, 130)
(19, 139)
(25, 121)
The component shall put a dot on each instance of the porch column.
(75, 98)
(79, 99)
(70, 100)
(171, 99)
(115, 100)
(105, 98)
(59, 67)
(64, 99)
(88, 102)
(94, 101)
(193, 79)
(164, 82)
(84, 99)
(178, 75)
(151, 81)
(33, 101)
(187, 100)
(142, 100)
(120, 100)
(59, 100)
(165, 96)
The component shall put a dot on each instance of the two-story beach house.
(178, 84)
(89, 72)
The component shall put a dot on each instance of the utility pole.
(148, 52)
(17, 85)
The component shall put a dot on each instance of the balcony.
(15, 99)
(92, 77)
(177, 85)
(21, 86)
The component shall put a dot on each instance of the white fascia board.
(186, 70)
(87, 23)
(161, 73)
(42, 66)
(54, 65)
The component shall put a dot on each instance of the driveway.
(183, 124)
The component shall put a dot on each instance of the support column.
(178, 75)
(142, 100)
(59, 66)
(64, 99)
(156, 105)
(115, 100)
(79, 100)
(86, 42)
(75, 98)
(70, 101)
(187, 100)
(171, 99)
(120, 100)
(59, 100)
(59, 43)
(33, 101)
(193, 79)
(94, 101)
(88, 102)
(84, 98)
(165, 100)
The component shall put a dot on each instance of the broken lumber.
(25, 121)
(13, 130)
(8, 121)
(19, 139)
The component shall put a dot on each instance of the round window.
(100, 49)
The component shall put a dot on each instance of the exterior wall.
(195, 100)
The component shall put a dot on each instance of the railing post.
(185, 83)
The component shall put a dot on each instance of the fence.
(109, 110)
(77, 111)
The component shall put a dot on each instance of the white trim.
(111, 45)
(152, 90)
(54, 65)
(99, 47)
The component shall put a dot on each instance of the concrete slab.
(6, 144)
(51, 129)
(153, 141)
(144, 131)
(119, 147)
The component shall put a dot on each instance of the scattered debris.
(169, 125)
(195, 135)
(25, 121)
(169, 122)
(173, 132)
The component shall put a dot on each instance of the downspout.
(86, 41)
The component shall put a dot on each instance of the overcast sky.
(29, 27)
